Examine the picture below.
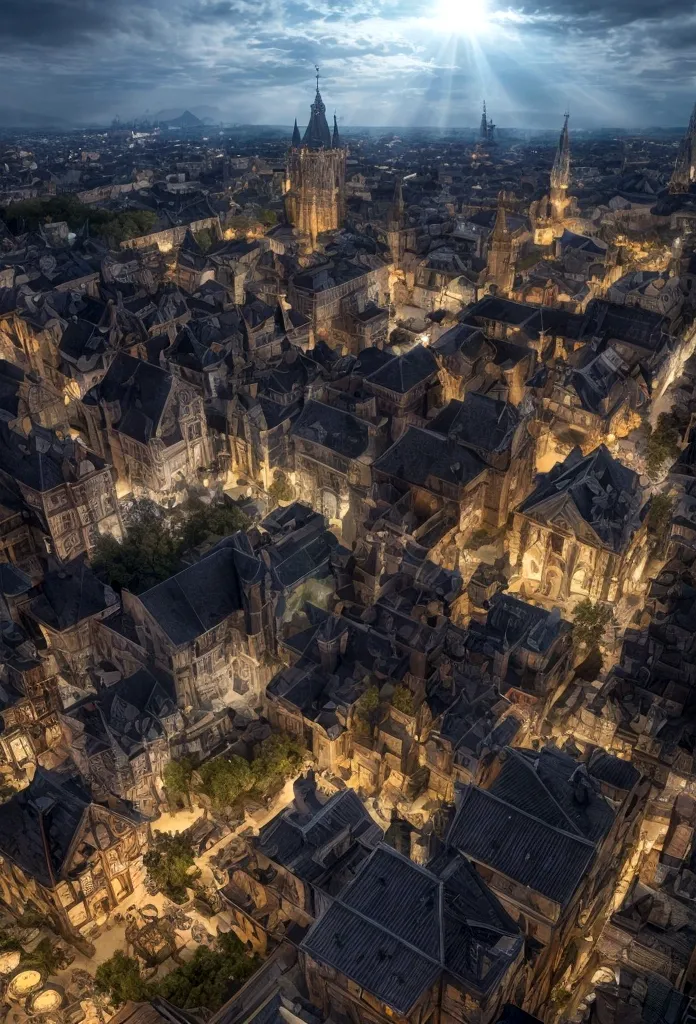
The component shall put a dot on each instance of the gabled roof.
(420, 455)
(398, 926)
(194, 601)
(38, 824)
(539, 823)
(332, 428)
(403, 373)
(142, 391)
(479, 421)
(597, 489)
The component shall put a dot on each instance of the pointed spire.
(336, 141)
(483, 131)
(317, 134)
(682, 175)
(296, 137)
(560, 172)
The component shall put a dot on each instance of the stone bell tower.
(316, 175)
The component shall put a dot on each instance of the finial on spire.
(316, 68)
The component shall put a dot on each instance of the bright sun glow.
(462, 17)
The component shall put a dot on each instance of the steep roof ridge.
(522, 760)
(577, 836)
(375, 924)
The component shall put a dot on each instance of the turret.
(296, 137)
(336, 140)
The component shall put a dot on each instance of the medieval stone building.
(580, 533)
(316, 173)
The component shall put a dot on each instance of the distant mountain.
(187, 118)
(10, 117)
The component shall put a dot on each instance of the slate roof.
(483, 422)
(539, 823)
(604, 492)
(141, 389)
(332, 428)
(297, 841)
(615, 771)
(42, 461)
(130, 710)
(194, 601)
(520, 846)
(70, 595)
(403, 373)
(398, 926)
(38, 824)
(420, 454)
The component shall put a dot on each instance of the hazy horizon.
(384, 62)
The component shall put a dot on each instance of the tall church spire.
(483, 130)
(560, 172)
(683, 173)
(317, 134)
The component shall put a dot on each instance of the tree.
(210, 977)
(664, 444)
(148, 554)
(169, 861)
(225, 779)
(204, 239)
(119, 977)
(402, 700)
(367, 706)
(199, 521)
(269, 218)
(589, 623)
(281, 489)
(114, 227)
(177, 777)
(44, 957)
(660, 514)
(280, 757)
(207, 980)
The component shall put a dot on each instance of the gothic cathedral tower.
(684, 166)
(560, 176)
(316, 174)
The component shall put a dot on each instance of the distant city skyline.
(384, 62)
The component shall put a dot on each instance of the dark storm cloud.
(615, 60)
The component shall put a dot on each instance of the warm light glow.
(462, 17)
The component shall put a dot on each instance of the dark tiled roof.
(548, 860)
(197, 599)
(332, 428)
(480, 421)
(403, 373)
(397, 926)
(421, 454)
(141, 389)
(70, 595)
(294, 839)
(604, 492)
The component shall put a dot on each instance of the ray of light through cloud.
(384, 62)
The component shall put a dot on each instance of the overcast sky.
(384, 62)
